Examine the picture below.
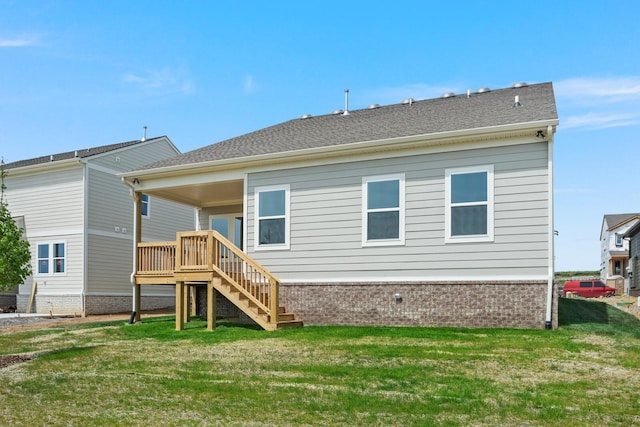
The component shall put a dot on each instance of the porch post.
(137, 238)
(211, 303)
(180, 309)
(611, 272)
(194, 300)
(185, 303)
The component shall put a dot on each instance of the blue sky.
(75, 74)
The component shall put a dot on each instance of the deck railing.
(157, 258)
(210, 251)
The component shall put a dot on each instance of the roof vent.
(75, 154)
(306, 116)
(519, 84)
(346, 102)
(51, 158)
(448, 95)
(336, 112)
(144, 135)
(373, 106)
(483, 90)
(408, 101)
(516, 102)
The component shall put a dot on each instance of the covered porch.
(210, 256)
(618, 264)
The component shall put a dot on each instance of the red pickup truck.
(587, 288)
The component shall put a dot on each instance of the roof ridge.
(79, 153)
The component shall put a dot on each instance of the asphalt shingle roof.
(82, 153)
(486, 109)
(616, 219)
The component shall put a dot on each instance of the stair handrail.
(274, 282)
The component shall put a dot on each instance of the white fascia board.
(44, 167)
(440, 138)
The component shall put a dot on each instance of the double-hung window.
(51, 258)
(618, 239)
(272, 217)
(469, 204)
(383, 210)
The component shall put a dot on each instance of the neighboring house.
(8, 299)
(633, 234)
(433, 212)
(77, 215)
(614, 254)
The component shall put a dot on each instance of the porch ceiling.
(202, 195)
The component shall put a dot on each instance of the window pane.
(237, 230)
(469, 187)
(59, 266)
(145, 205)
(58, 250)
(468, 220)
(43, 266)
(221, 225)
(271, 231)
(383, 194)
(43, 251)
(383, 225)
(271, 203)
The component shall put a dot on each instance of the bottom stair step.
(289, 324)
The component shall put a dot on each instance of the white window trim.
(148, 203)
(489, 237)
(617, 237)
(51, 259)
(401, 209)
(287, 218)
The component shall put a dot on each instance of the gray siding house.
(432, 212)
(614, 256)
(77, 216)
(633, 234)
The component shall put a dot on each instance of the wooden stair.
(207, 257)
(231, 290)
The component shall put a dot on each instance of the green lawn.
(585, 373)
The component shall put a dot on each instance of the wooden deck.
(208, 258)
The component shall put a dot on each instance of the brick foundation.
(7, 300)
(111, 304)
(467, 304)
(225, 309)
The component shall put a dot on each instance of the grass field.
(585, 373)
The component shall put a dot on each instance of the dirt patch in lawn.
(628, 304)
(12, 359)
(16, 324)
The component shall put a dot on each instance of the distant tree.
(15, 256)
